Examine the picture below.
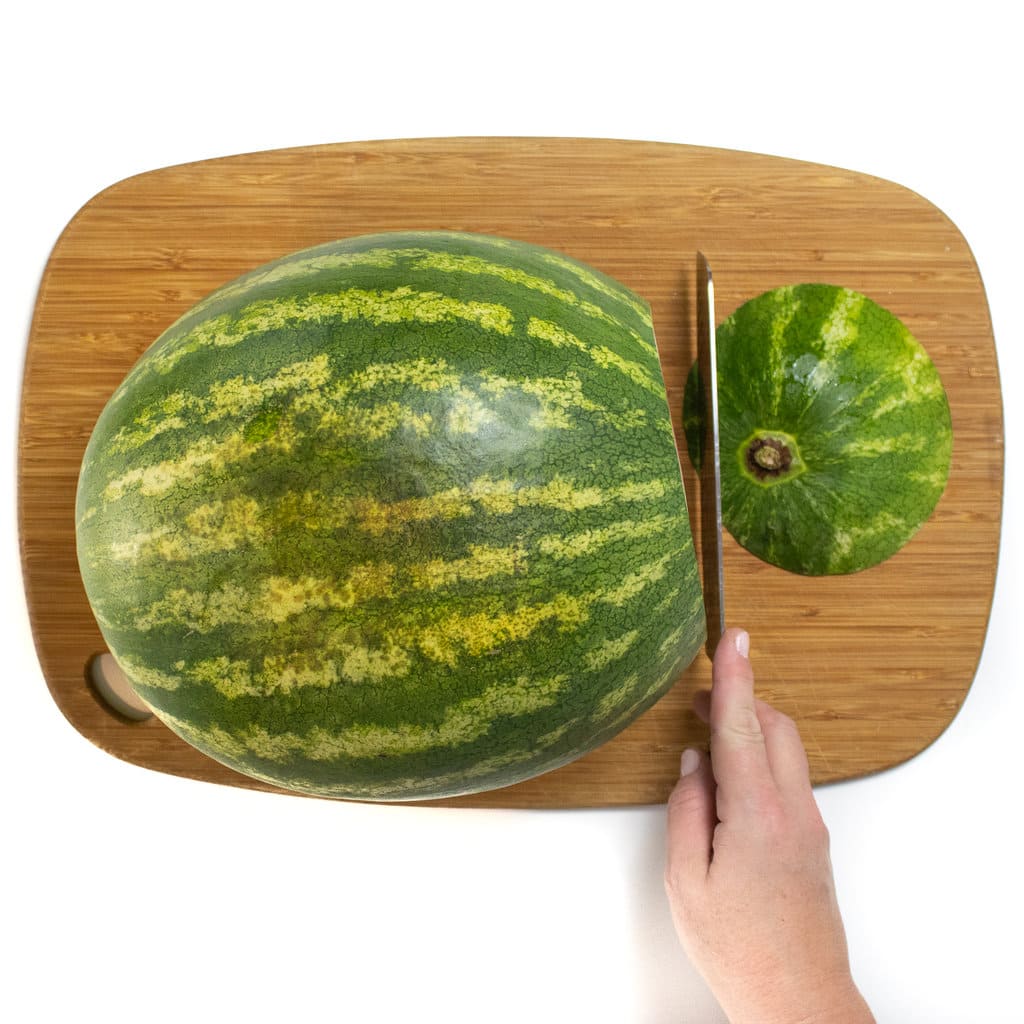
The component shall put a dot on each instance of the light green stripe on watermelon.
(468, 779)
(557, 399)
(463, 722)
(625, 702)
(446, 639)
(329, 525)
(611, 650)
(448, 262)
(397, 306)
(588, 542)
(603, 356)
(632, 698)
(217, 455)
(236, 397)
(329, 406)
(452, 263)
(868, 449)
(841, 327)
(298, 267)
(601, 284)
(275, 599)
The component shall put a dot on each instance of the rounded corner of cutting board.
(143, 250)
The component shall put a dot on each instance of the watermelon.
(395, 518)
(835, 429)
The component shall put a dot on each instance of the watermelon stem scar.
(766, 455)
(769, 457)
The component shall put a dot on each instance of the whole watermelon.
(398, 517)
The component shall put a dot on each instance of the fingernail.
(689, 762)
(742, 641)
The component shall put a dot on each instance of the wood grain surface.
(872, 666)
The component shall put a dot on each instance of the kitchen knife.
(710, 465)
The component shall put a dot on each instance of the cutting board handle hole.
(111, 685)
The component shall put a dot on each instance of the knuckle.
(682, 891)
(776, 822)
(731, 738)
(784, 723)
(818, 833)
(674, 880)
(799, 839)
(772, 718)
(743, 726)
(685, 794)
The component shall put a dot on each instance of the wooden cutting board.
(873, 666)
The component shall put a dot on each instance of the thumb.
(691, 824)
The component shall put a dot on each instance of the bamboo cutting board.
(872, 666)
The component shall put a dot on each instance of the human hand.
(748, 874)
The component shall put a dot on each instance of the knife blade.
(710, 464)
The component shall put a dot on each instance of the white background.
(131, 896)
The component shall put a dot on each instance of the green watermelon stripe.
(193, 334)
(244, 399)
(237, 747)
(384, 307)
(296, 268)
(455, 635)
(884, 525)
(453, 263)
(909, 386)
(242, 402)
(463, 722)
(603, 285)
(302, 266)
(275, 599)
(226, 525)
(840, 327)
(558, 336)
(233, 680)
(872, 447)
(775, 371)
(450, 638)
(236, 397)
(463, 779)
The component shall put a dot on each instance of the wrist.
(846, 1006)
(841, 1003)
